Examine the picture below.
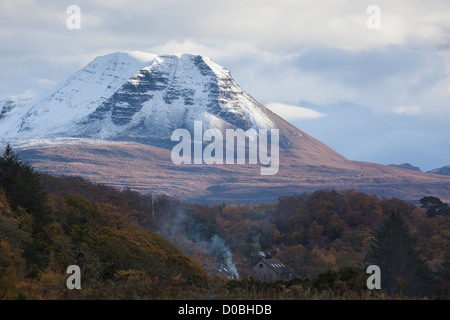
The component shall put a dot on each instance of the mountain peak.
(133, 93)
(142, 97)
(148, 58)
(171, 92)
(141, 56)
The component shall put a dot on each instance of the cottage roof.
(276, 265)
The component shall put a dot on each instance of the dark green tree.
(444, 276)
(402, 269)
(23, 189)
(444, 269)
(434, 206)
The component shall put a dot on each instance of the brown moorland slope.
(149, 169)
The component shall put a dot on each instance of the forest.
(130, 245)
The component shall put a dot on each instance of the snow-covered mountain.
(112, 120)
(139, 96)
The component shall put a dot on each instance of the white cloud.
(407, 110)
(293, 113)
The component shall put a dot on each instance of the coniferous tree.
(444, 276)
(444, 270)
(24, 190)
(402, 269)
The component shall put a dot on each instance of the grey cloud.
(368, 67)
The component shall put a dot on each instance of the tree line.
(130, 244)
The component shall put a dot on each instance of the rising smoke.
(181, 223)
(216, 247)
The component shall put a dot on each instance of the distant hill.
(405, 166)
(445, 171)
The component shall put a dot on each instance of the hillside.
(442, 171)
(146, 168)
(41, 235)
(119, 237)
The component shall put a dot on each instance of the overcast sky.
(377, 95)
